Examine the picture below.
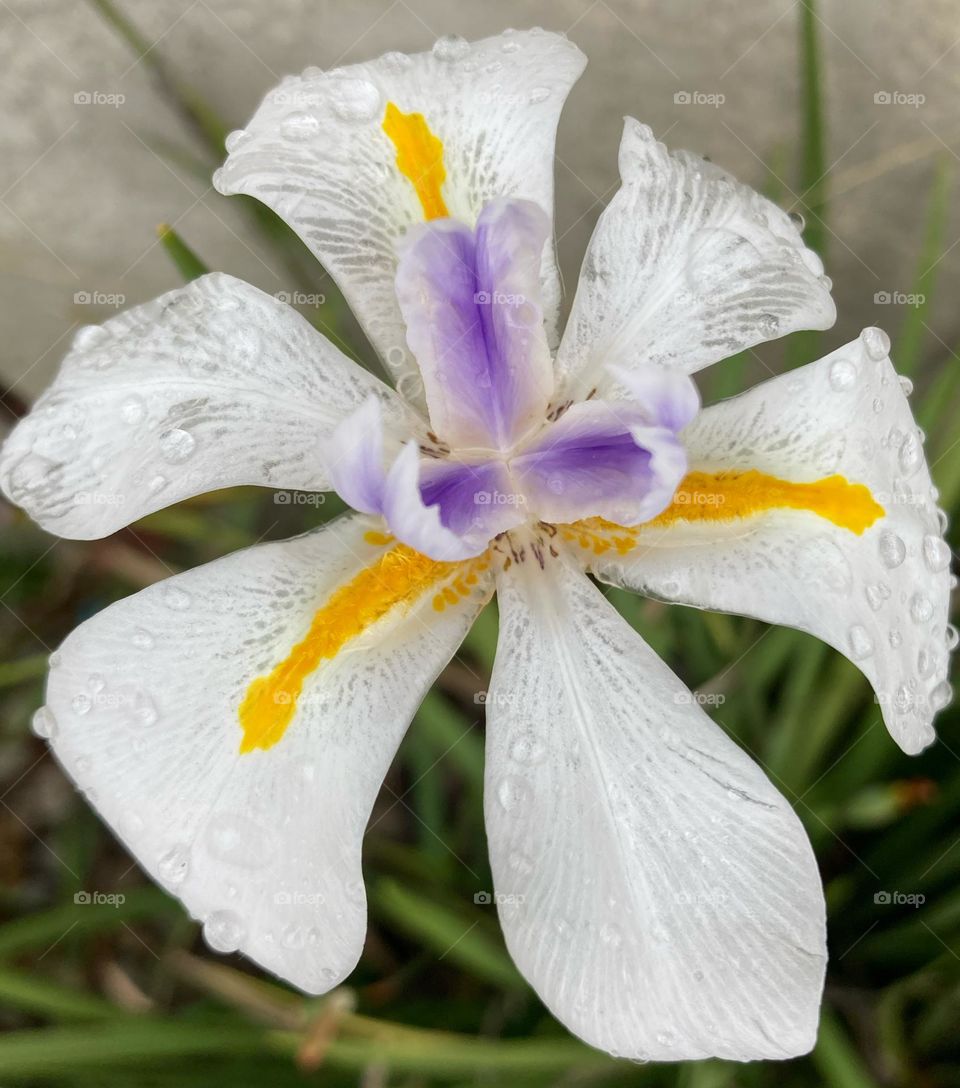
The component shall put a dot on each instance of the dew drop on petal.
(921, 608)
(512, 793)
(177, 446)
(892, 549)
(538, 95)
(134, 409)
(44, 724)
(941, 695)
(527, 748)
(451, 47)
(906, 385)
(876, 343)
(936, 552)
(236, 139)
(911, 454)
(355, 100)
(843, 375)
(81, 703)
(142, 639)
(769, 325)
(174, 597)
(174, 865)
(951, 637)
(299, 126)
(223, 931)
(861, 644)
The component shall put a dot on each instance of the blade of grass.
(186, 261)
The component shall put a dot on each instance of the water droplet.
(133, 409)
(174, 865)
(223, 931)
(941, 695)
(877, 405)
(876, 343)
(892, 549)
(895, 638)
(299, 126)
(397, 61)
(355, 100)
(219, 181)
(88, 337)
(769, 325)
(157, 483)
(936, 552)
(528, 748)
(30, 474)
(512, 793)
(174, 597)
(861, 644)
(797, 220)
(925, 664)
(921, 608)
(903, 699)
(951, 637)
(911, 454)
(142, 639)
(843, 375)
(538, 95)
(44, 724)
(509, 47)
(177, 446)
(235, 140)
(450, 47)
(906, 385)
(666, 1038)
(876, 595)
(293, 936)
(81, 703)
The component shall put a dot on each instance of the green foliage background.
(116, 995)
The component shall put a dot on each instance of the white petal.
(211, 385)
(882, 597)
(263, 847)
(685, 268)
(317, 154)
(653, 886)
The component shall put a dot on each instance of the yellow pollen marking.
(396, 579)
(419, 158)
(705, 497)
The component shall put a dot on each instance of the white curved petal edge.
(212, 385)
(263, 848)
(686, 267)
(316, 153)
(882, 598)
(656, 890)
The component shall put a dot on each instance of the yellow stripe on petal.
(723, 496)
(419, 158)
(718, 497)
(398, 579)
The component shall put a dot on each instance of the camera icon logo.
(482, 899)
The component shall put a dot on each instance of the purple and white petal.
(668, 398)
(415, 523)
(476, 501)
(601, 459)
(474, 318)
(354, 458)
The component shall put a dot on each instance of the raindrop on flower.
(355, 100)
(892, 549)
(797, 220)
(951, 637)
(921, 608)
(769, 325)
(174, 597)
(177, 446)
(911, 454)
(133, 409)
(299, 126)
(512, 793)
(538, 95)
(876, 343)
(223, 931)
(936, 552)
(861, 644)
(44, 724)
(451, 47)
(941, 695)
(174, 865)
(236, 139)
(906, 385)
(843, 375)
(142, 639)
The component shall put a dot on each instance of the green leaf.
(187, 263)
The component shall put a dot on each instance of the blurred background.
(843, 111)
